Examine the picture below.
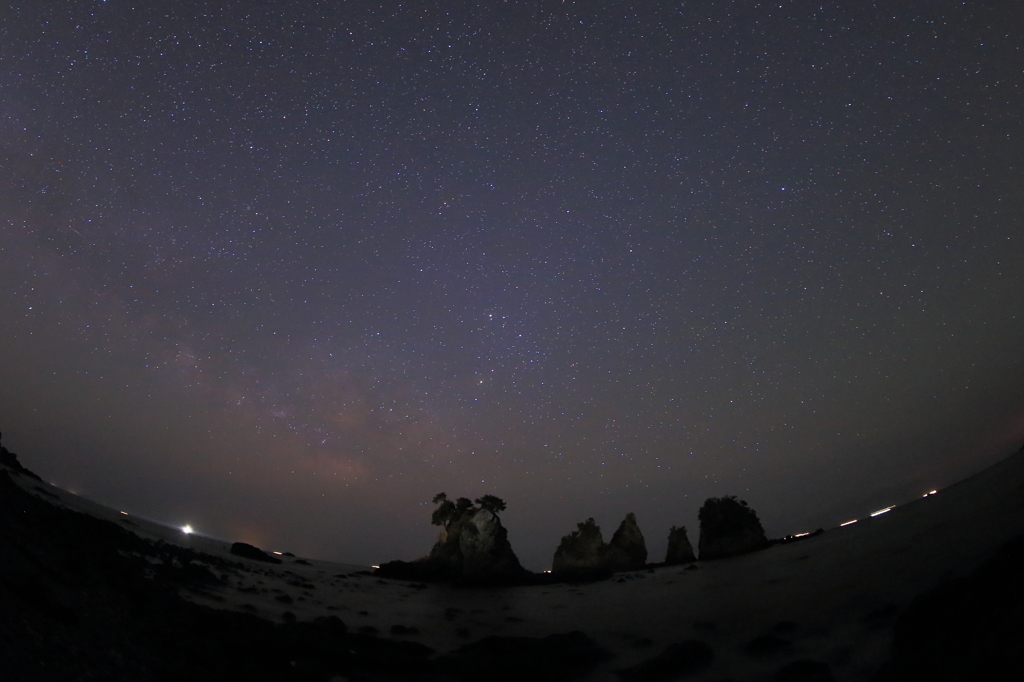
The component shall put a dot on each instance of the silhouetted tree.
(444, 514)
(449, 512)
(491, 503)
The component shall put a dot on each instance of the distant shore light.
(186, 529)
(374, 566)
(847, 523)
(278, 553)
(930, 493)
(800, 535)
(882, 511)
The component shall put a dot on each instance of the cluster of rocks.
(727, 527)
(472, 547)
(584, 555)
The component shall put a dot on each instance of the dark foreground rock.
(966, 629)
(83, 599)
(548, 659)
(728, 527)
(804, 671)
(683, 658)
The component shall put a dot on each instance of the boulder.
(627, 550)
(728, 527)
(680, 551)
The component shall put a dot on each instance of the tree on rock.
(579, 554)
(728, 527)
(491, 503)
(449, 512)
(472, 547)
(445, 511)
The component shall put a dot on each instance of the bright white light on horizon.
(374, 566)
(186, 529)
(930, 493)
(278, 554)
(800, 535)
(847, 523)
(882, 511)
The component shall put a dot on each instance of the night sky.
(285, 270)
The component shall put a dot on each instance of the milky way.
(285, 270)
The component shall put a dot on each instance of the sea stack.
(728, 527)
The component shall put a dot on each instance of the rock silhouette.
(472, 547)
(475, 548)
(583, 554)
(680, 551)
(728, 527)
(579, 554)
(627, 550)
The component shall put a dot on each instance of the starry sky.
(285, 270)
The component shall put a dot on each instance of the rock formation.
(583, 554)
(627, 550)
(680, 551)
(580, 553)
(472, 547)
(728, 527)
